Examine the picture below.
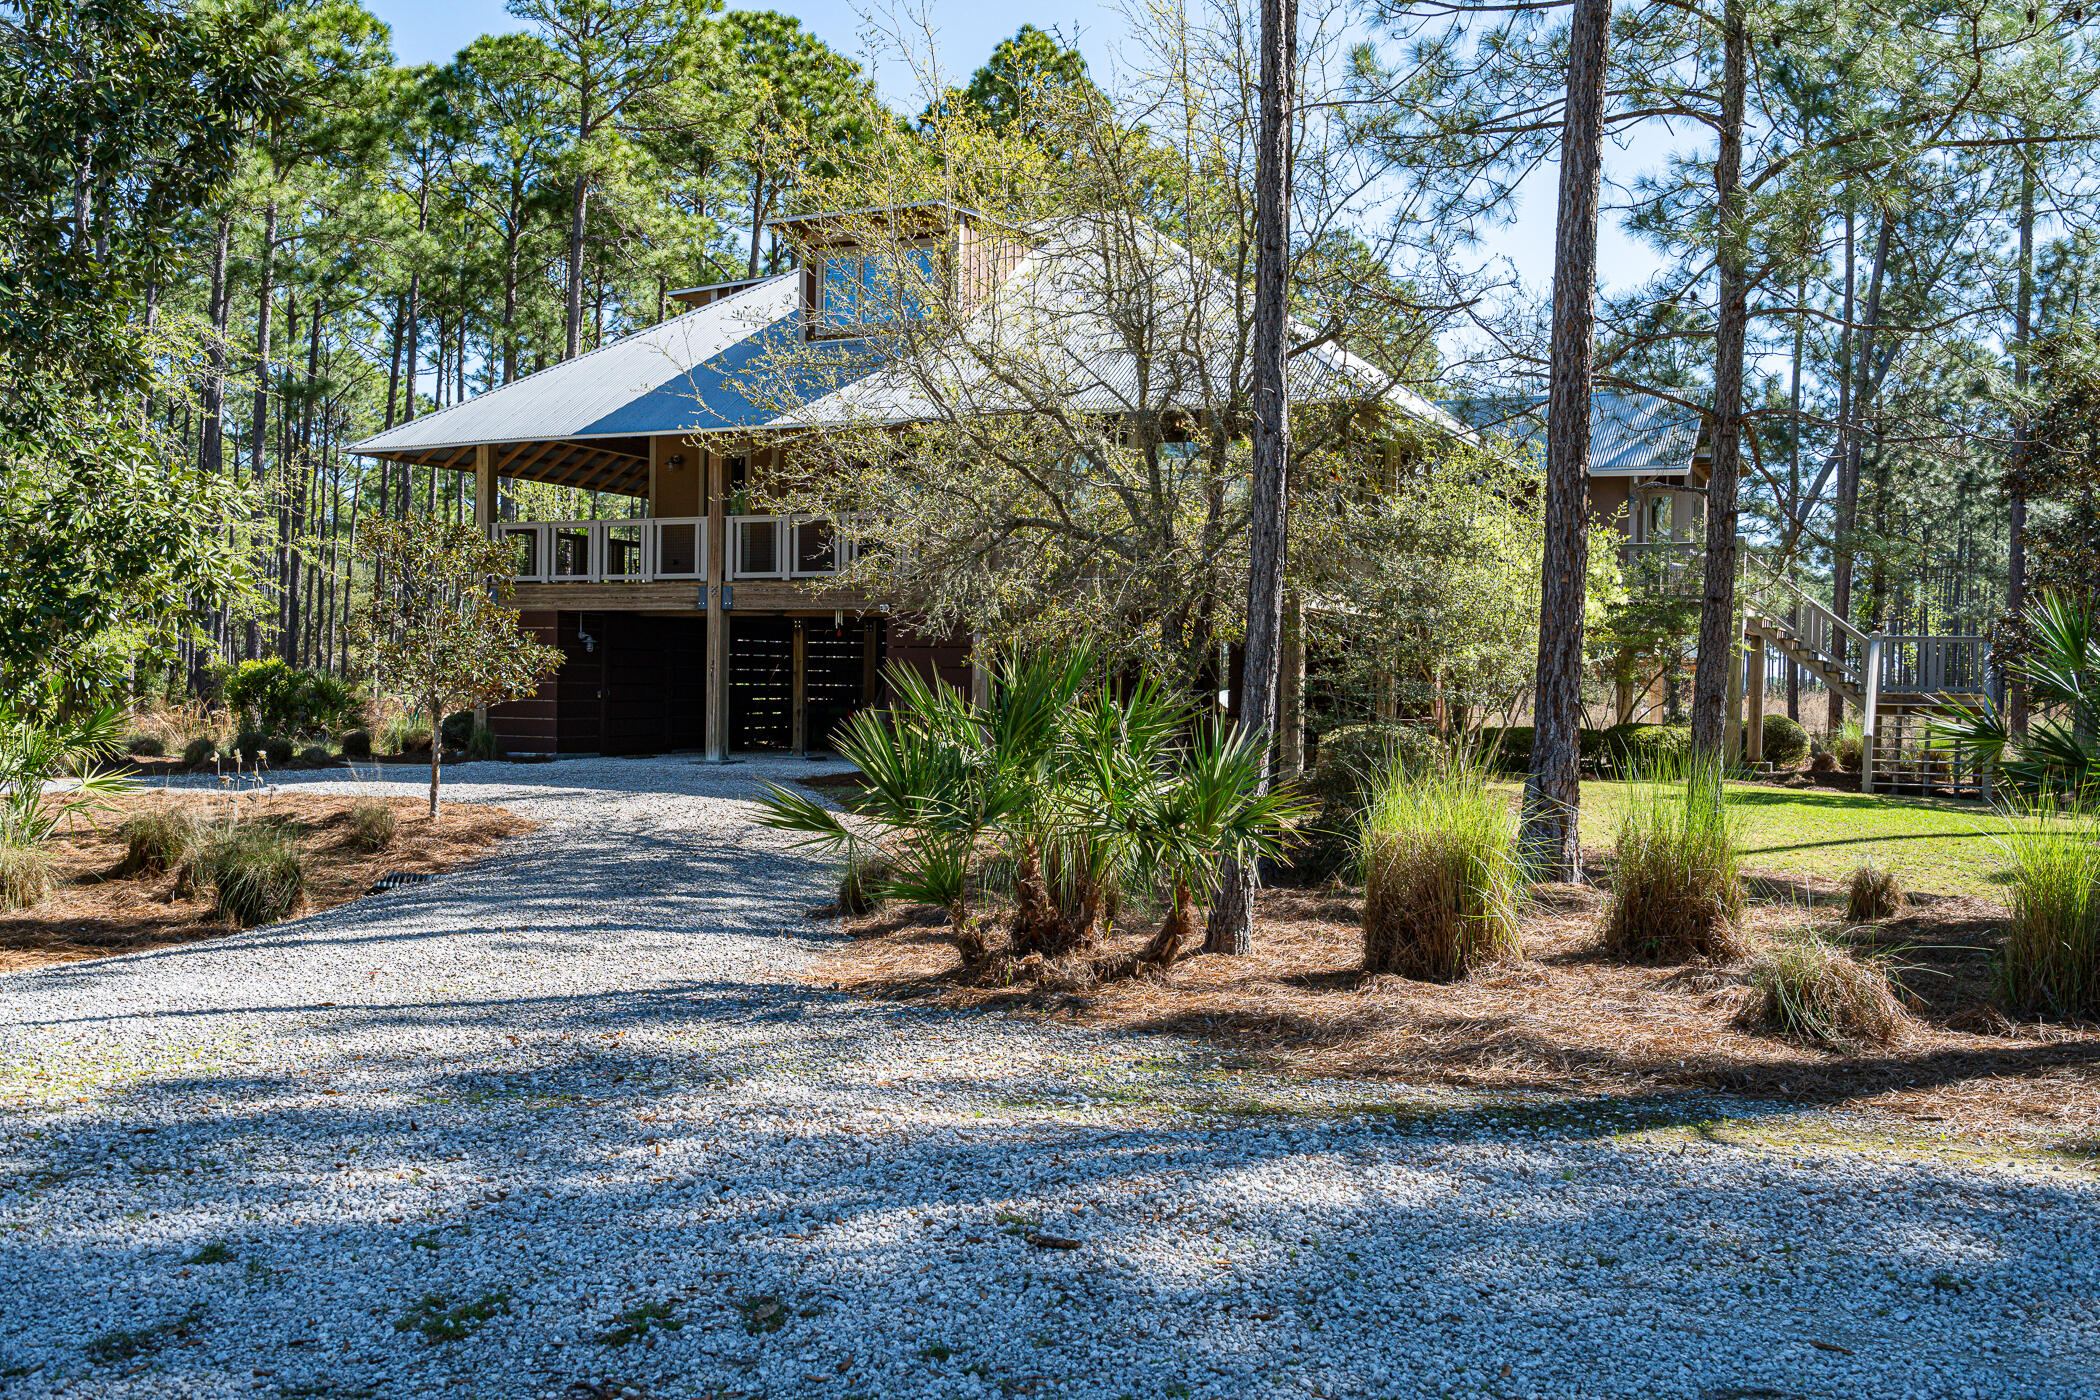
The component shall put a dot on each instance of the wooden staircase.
(1892, 681)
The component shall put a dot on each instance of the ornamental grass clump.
(2051, 960)
(1441, 877)
(1808, 990)
(25, 877)
(862, 883)
(1677, 888)
(256, 872)
(160, 840)
(1874, 894)
(372, 825)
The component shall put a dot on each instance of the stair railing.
(1820, 630)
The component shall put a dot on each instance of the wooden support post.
(1870, 713)
(484, 486)
(717, 546)
(798, 690)
(870, 666)
(484, 517)
(1290, 680)
(1754, 692)
(1732, 728)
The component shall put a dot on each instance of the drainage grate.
(398, 879)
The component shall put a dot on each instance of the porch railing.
(671, 549)
(1935, 665)
(1672, 567)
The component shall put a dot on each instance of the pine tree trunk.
(1551, 840)
(1859, 384)
(2016, 506)
(1719, 633)
(258, 442)
(1231, 928)
(579, 202)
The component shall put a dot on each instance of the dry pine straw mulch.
(1567, 1020)
(94, 912)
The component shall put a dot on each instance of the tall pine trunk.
(1718, 632)
(1858, 387)
(1231, 928)
(579, 203)
(257, 445)
(1552, 840)
(2016, 479)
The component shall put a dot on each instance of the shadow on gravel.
(1461, 1241)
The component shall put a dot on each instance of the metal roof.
(1630, 434)
(732, 365)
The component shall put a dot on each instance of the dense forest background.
(239, 236)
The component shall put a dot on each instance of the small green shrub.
(315, 753)
(248, 745)
(199, 751)
(276, 698)
(372, 825)
(2051, 959)
(401, 735)
(861, 884)
(159, 840)
(1352, 762)
(1677, 889)
(1644, 748)
(1507, 750)
(279, 751)
(25, 877)
(355, 743)
(1849, 744)
(458, 729)
(1441, 876)
(1807, 990)
(256, 872)
(146, 746)
(1786, 742)
(1824, 762)
(1873, 895)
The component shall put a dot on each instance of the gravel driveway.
(568, 1123)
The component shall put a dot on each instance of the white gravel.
(583, 1079)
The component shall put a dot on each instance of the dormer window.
(860, 291)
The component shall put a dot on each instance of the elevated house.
(700, 622)
(1650, 463)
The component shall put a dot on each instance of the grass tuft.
(199, 751)
(256, 871)
(1441, 876)
(861, 884)
(1875, 894)
(372, 825)
(2051, 959)
(440, 1321)
(160, 840)
(25, 877)
(356, 743)
(1807, 990)
(1677, 887)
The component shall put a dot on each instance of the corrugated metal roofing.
(698, 372)
(1630, 434)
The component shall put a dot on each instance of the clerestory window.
(864, 290)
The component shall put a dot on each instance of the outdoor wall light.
(677, 461)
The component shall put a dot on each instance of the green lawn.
(1935, 846)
